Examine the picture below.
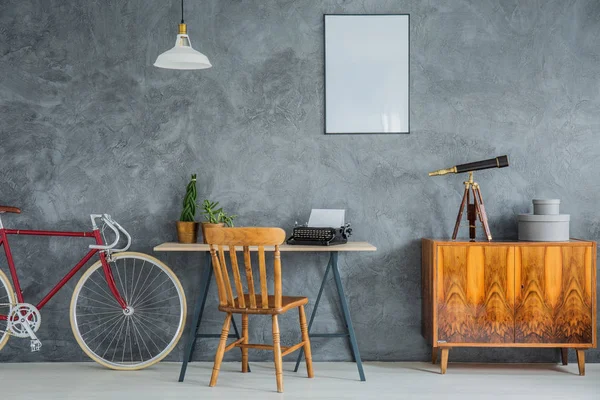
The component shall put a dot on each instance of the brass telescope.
(498, 162)
(476, 209)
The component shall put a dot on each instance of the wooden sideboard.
(509, 294)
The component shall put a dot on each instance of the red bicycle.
(127, 311)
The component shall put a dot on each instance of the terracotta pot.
(207, 225)
(187, 232)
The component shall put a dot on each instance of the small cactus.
(189, 202)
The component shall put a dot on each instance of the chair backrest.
(221, 238)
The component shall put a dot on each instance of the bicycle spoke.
(144, 287)
(139, 334)
(146, 299)
(118, 339)
(110, 295)
(99, 326)
(106, 336)
(111, 342)
(100, 313)
(157, 302)
(153, 320)
(156, 287)
(168, 307)
(138, 281)
(115, 328)
(97, 301)
(149, 337)
(125, 344)
(151, 323)
(107, 298)
(98, 320)
(112, 309)
(149, 286)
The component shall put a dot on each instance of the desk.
(332, 266)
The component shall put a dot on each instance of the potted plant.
(214, 217)
(187, 227)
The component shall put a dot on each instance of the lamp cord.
(182, 11)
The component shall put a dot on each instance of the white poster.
(367, 74)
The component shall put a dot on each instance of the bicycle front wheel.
(143, 334)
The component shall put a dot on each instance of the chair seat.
(287, 302)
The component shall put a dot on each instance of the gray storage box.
(544, 228)
(546, 207)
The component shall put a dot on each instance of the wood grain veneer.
(475, 294)
(509, 294)
(554, 295)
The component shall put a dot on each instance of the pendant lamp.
(182, 55)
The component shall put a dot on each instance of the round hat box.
(544, 228)
(546, 207)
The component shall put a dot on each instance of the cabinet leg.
(581, 362)
(434, 354)
(564, 355)
(444, 360)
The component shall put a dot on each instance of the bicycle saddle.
(5, 209)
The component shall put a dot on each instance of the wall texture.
(88, 126)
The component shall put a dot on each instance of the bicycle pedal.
(36, 345)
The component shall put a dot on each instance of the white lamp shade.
(182, 56)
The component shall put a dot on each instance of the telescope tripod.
(474, 210)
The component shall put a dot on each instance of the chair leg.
(220, 351)
(306, 340)
(245, 336)
(277, 355)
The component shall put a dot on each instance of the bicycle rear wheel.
(143, 334)
(7, 297)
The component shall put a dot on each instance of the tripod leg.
(481, 211)
(471, 216)
(460, 213)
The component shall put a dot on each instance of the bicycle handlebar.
(116, 228)
(119, 227)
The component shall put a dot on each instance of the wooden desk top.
(201, 247)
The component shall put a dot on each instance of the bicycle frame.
(93, 234)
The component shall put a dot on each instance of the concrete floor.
(406, 380)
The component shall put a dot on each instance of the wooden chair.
(252, 302)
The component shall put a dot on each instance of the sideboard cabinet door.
(475, 294)
(553, 294)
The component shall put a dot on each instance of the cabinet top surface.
(481, 242)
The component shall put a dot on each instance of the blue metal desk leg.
(206, 278)
(348, 320)
(198, 310)
(314, 311)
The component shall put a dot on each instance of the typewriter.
(306, 235)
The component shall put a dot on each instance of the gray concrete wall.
(88, 125)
